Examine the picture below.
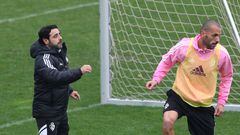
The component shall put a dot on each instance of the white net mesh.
(143, 30)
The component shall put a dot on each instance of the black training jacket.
(51, 81)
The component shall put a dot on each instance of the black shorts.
(53, 126)
(200, 119)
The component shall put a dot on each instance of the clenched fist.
(86, 69)
(150, 85)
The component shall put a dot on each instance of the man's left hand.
(219, 110)
(75, 95)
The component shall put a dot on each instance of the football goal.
(136, 33)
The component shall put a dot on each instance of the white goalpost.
(134, 34)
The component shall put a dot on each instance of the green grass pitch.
(80, 30)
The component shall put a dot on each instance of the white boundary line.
(9, 20)
(20, 122)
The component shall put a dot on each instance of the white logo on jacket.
(67, 59)
(166, 106)
(52, 126)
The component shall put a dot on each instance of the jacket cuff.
(77, 72)
(221, 102)
(70, 90)
(156, 80)
(80, 71)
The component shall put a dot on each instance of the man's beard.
(212, 46)
(58, 45)
(209, 45)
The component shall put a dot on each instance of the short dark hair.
(44, 32)
(208, 23)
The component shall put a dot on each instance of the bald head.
(208, 24)
(210, 35)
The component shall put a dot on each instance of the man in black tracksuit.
(52, 78)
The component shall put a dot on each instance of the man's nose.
(217, 39)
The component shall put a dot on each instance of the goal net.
(141, 31)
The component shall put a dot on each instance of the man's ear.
(203, 33)
(46, 41)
